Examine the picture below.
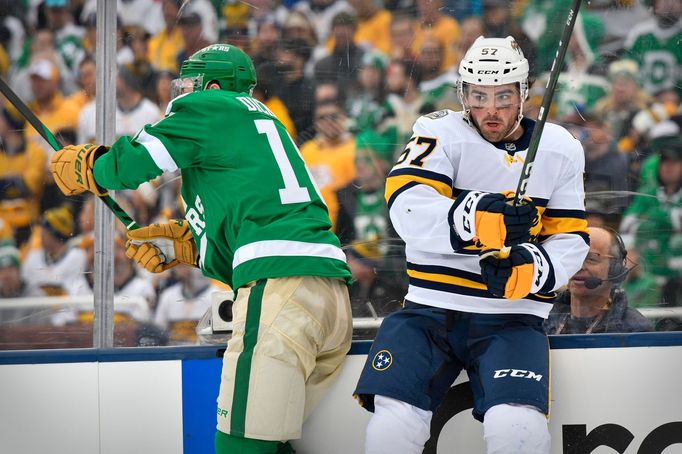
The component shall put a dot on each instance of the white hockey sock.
(516, 429)
(397, 427)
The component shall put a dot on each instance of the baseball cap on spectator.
(344, 18)
(668, 147)
(59, 221)
(374, 58)
(44, 68)
(296, 19)
(624, 68)
(56, 3)
(9, 255)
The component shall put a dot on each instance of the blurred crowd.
(348, 79)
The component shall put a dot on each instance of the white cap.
(44, 69)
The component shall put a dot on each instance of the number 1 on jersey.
(292, 192)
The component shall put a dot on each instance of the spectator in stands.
(403, 28)
(127, 285)
(163, 90)
(623, 101)
(321, 14)
(165, 46)
(56, 267)
(471, 28)
(22, 176)
(133, 110)
(654, 218)
(594, 301)
(342, 65)
(12, 285)
(372, 247)
(68, 36)
(404, 104)
(606, 168)
(87, 81)
(582, 83)
(296, 26)
(433, 22)
(137, 40)
(295, 89)
(264, 45)
(330, 156)
(190, 27)
(49, 104)
(266, 93)
(124, 55)
(655, 46)
(438, 85)
(366, 108)
(373, 26)
(183, 304)
(662, 135)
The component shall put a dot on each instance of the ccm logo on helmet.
(486, 71)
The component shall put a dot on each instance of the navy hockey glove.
(526, 270)
(493, 219)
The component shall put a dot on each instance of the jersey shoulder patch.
(437, 114)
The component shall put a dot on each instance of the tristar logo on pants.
(79, 160)
(517, 373)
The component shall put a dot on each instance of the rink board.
(621, 391)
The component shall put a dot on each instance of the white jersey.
(446, 156)
(65, 276)
(179, 314)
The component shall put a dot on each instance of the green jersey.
(659, 54)
(250, 201)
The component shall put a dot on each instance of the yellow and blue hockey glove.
(492, 219)
(158, 247)
(72, 168)
(526, 270)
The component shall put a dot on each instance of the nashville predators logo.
(512, 159)
(382, 360)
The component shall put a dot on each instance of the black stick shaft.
(56, 145)
(546, 101)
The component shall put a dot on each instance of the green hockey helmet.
(223, 63)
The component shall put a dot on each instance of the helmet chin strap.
(518, 121)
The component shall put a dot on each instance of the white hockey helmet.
(494, 61)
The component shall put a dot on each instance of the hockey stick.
(544, 109)
(46, 134)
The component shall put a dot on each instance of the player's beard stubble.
(495, 128)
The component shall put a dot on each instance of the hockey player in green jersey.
(254, 220)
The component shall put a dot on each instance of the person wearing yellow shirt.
(87, 78)
(441, 26)
(265, 93)
(374, 26)
(48, 102)
(330, 156)
(165, 46)
(22, 175)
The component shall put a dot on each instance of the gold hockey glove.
(159, 247)
(72, 168)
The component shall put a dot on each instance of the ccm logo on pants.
(517, 373)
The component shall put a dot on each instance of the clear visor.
(184, 85)
(487, 96)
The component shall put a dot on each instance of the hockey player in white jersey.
(448, 197)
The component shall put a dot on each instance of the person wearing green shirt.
(254, 220)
